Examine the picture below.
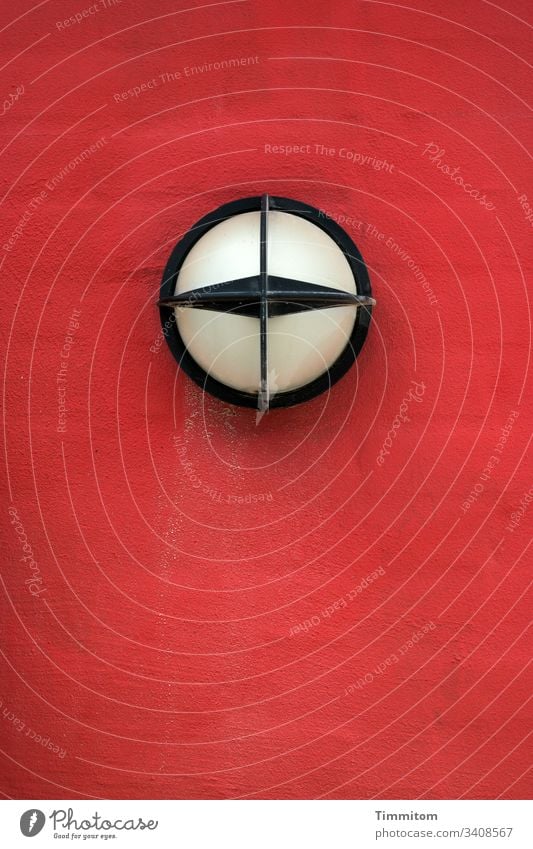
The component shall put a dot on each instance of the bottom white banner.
(257, 824)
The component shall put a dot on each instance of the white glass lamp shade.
(301, 344)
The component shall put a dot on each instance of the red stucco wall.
(196, 604)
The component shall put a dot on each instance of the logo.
(31, 822)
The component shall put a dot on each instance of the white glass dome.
(301, 345)
(251, 300)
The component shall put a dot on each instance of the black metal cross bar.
(284, 296)
(263, 397)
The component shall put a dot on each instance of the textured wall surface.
(330, 601)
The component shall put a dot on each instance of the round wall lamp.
(265, 302)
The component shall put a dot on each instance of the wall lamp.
(265, 302)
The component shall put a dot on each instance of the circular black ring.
(343, 362)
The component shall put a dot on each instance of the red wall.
(199, 622)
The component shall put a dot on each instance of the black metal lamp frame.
(264, 296)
